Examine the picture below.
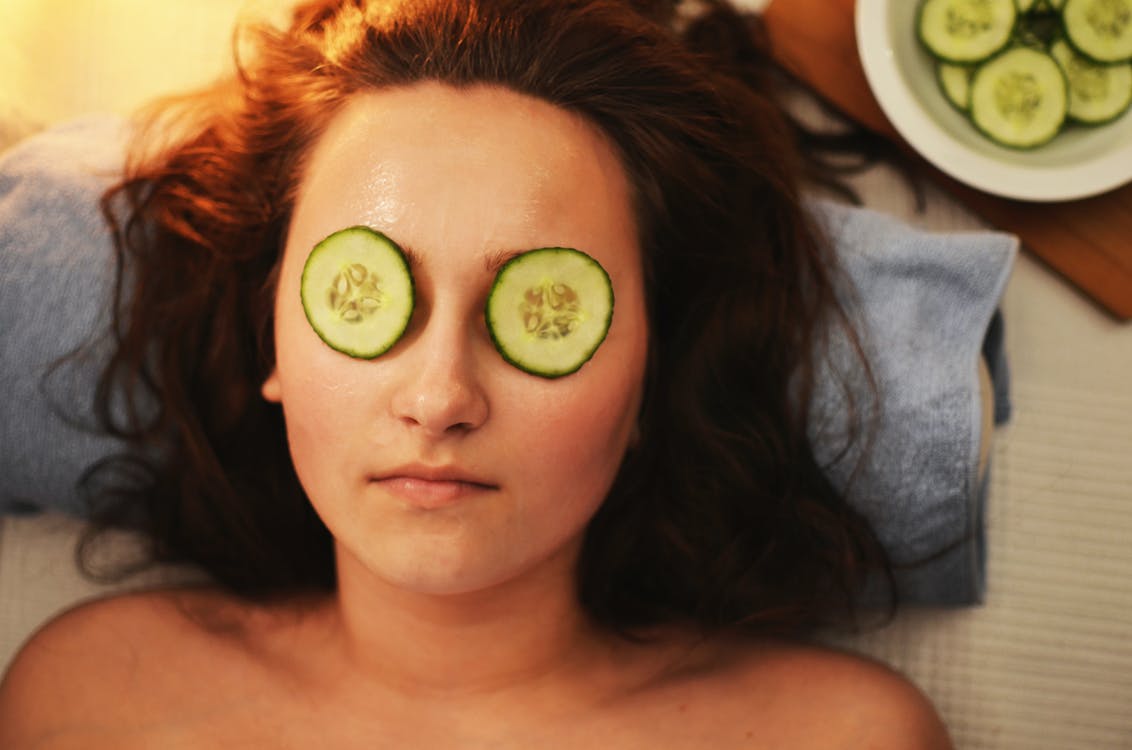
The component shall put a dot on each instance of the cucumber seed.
(550, 311)
(355, 293)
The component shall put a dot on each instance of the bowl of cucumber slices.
(1026, 99)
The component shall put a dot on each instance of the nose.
(440, 392)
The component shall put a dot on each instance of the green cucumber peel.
(357, 292)
(549, 310)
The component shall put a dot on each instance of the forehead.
(482, 168)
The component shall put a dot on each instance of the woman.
(434, 548)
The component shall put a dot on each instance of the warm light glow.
(62, 58)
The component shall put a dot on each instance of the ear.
(271, 389)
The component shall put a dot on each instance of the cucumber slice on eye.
(1019, 99)
(1097, 93)
(357, 292)
(965, 31)
(1099, 29)
(549, 310)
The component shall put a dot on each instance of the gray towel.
(56, 277)
(925, 301)
(926, 304)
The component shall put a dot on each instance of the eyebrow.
(411, 255)
(494, 261)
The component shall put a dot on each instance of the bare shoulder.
(60, 676)
(835, 699)
(103, 664)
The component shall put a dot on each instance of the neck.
(516, 637)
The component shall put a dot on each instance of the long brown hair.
(720, 515)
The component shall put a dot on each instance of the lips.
(430, 487)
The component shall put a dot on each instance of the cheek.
(594, 424)
(314, 427)
(323, 404)
(574, 446)
(322, 391)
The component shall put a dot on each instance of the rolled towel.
(56, 280)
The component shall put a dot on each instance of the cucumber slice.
(357, 292)
(1097, 93)
(1099, 29)
(549, 310)
(966, 31)
(955, 82)
(1019, 99)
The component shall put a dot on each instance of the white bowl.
(1078, 163)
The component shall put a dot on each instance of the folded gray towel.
(924, 301)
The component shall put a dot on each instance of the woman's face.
(438, 466)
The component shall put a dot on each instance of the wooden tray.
(1087, 241)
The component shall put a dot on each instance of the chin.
(433, 570)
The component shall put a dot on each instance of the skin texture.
(455, 623)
